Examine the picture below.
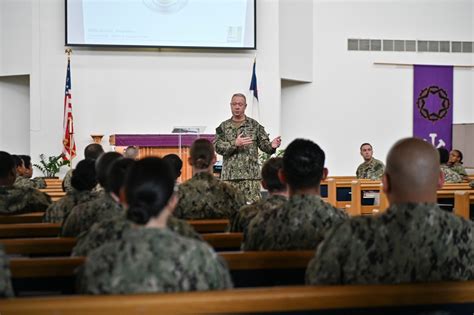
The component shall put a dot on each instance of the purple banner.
(433, 104)
(159, 140)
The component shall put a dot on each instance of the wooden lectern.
(160, 145)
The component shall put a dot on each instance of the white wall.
(296, 40)
(15, 37)
(15, 109)
(351, 101)
(139, 91)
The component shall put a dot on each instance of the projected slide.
(173, 23)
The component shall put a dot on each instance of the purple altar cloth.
(163, 140)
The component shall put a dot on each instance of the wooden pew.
(21, 230)
(366, 299)
(39, 246)
(35, 217)
(462, 203)
(29, 230)
(335, 184)
(209, 226)
(64, 245)
(356, 207)
(45, 267)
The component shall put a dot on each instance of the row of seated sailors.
(414, 240)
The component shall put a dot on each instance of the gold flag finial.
(68, 51)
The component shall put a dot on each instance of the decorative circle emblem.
(445, 103)
(166, 6)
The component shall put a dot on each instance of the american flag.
(69, 146)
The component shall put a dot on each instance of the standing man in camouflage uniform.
(371, 168)
(16, 200)
(238, 140)
(303, 220)
(413, 241)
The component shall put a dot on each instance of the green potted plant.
(263, 157)
(52, 165)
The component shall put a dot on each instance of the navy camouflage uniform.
(6, 289)
(245, 215)
(59, 210)
(153, 260)
(240, 165)
(372, 169)
(407, 243)
(84, 215)
(15, 200)
(205, 197)
(299, 224)
(112, 229)
(450, 176)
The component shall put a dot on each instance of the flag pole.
(68, 51)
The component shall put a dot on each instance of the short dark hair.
(443, 155)
(270, 174)
(202, 153)
(83, 176)
(102, 165)
(365, 143)
(239, 95)
(93, 151)
(149, 184)
(116, 175)
(175, 163)
(303, 164)
(18, 161)
(7, 164)
(26, 160)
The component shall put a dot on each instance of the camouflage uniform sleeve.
(72, 225)
(180, 210)
(378, 171)
(326, 265)
(50, 215)
(451, 176)
(6, 289)
(39, 200)
(223, 146)
(263, 141)
(254, 234)
(39, 182)
(240, 221)
(214, 267)
(460, 170)
(23, 182)
(359, 172)
(67, 181)
(95, 276)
